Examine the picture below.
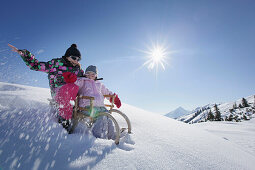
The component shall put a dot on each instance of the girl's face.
(91, 75)
(73, 60)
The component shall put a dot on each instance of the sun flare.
(157, 57)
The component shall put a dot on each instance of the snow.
(240, 133)
(32, 139)
(177, 113)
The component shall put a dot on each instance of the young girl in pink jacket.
(87, 86)
(90, 86)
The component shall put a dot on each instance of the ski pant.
(103, 126)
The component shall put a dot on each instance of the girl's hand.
(79, 64)
(14, 49)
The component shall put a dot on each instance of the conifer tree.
(244, 103)
(218, 114)
(226, 118)
(230, 118)
(237, 118)
(210, 116)
(234, 106)
(245, 117)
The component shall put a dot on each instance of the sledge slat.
(108, 105)
(83, 109)
(86, 97)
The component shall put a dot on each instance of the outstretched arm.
(14, 49)
(31, 61)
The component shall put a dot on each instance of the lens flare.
(157, 57)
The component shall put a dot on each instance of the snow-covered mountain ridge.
(32, 139)
(177, 113)
(241, 109)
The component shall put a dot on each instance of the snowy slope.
(31, 139)
(201, 113)
(177, 113)
(240, 133)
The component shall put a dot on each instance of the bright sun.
(157, 56)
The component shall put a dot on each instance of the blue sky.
(213, 44)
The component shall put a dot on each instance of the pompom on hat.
(73, 51)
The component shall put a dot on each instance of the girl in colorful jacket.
(90, 86)
(55, 67)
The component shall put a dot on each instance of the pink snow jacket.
(96, 89)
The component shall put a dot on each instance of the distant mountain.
(177, 113)
(241, 109)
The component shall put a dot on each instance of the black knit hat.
(73, 51)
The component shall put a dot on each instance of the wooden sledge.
(78, 116)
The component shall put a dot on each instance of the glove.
(69, 77)
(117, 101)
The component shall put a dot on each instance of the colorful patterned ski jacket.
(54, 68)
